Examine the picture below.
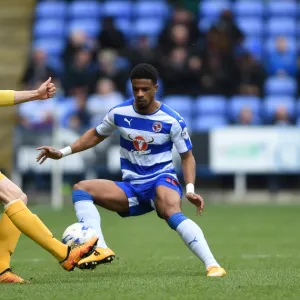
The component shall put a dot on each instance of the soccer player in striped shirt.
(18, 218)
(148, 130)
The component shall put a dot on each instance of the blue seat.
(281, 8)
(148, 9)
(281, 26)
(49, 28)
(254, 46)
(206, 123)
(276, 85)
(298, 108)
(119, 9)
(271, 103)
(210, 8)
(298, 122)
(89, 26)
(53, 47)
(237, 103)
(206, 23)
(125, 25)
(270, 44)
(52, 9)
(85, 9)
(159, 93)
(248, 8)
(210, 105)
(251, 26)
(181, 104)
(149, 27)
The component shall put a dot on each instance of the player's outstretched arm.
(189, 173)
(88, 140)
(45, 91)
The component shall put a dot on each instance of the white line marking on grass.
(35, 260)
(264, 256)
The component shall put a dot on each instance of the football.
(77, 234)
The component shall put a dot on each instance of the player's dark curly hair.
(144, 71)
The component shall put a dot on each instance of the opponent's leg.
(33, 227)
(168, 205)
(106, 194)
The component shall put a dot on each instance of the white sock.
(193, 237)
(87, 212)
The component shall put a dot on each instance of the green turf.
(258, 245)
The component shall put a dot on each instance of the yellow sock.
(9, 236)
(34, 228)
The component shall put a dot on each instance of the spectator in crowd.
(77, 40)
(175, 73)
(281, 61)
(251, 76)
(245, 117)
(103, 100)
(81, 72)
(110, 37)
(181, 16)
(78, 119)
(230, 34)
(143, 52)
(37, 69)
(114, 67)
(282, 116)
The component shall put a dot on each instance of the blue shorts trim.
(141, 197)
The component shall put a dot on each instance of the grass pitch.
(258, 245)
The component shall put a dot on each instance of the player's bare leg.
(18, 217)
(106, 194)
(168, 205)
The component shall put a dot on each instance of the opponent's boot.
(99, 256)
(77, 253)
(215, 272)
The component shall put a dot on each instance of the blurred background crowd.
(220, 62)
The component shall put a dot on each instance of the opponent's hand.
(46, 90)
(197, 200)
(47, 152)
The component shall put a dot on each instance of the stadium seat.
(125, 25)
(271, 103)
(148, 26)
(281, 26)
(251, 26)
(276, 85)
(298, 122)
(49, 28)
(84, 9)
(53, 47)
(148, 9)
(118, 8)
(281, 8)
(270, 44)
(52, 9)
(210, 105)
(248, 8)
(206, 123)
(237, 103)
(180, 103)
(210, 8)
(206, 23)
(254, 46)
(89, 26)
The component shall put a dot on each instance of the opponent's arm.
(10, 97)
(88, 140)
(189, 174)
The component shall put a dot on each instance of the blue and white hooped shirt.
(146, 140)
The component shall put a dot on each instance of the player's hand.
(197, 200)
(47, 152)
(46, 90)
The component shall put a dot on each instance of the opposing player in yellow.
(18, 218)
